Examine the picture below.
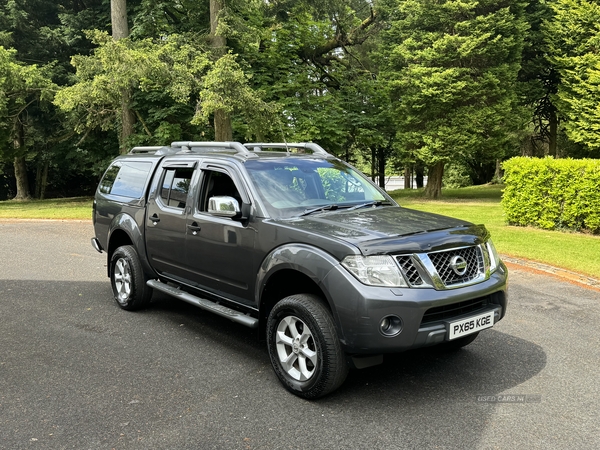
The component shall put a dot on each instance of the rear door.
(166, 212)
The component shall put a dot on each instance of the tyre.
(459, 343)
(128, 279)
(305, 351)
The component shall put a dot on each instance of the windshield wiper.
(366, 205)
(319, 208)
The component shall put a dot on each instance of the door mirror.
(224, 206)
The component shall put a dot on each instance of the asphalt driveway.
(78, 372)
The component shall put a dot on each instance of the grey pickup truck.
(291, 241)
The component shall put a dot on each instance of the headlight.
(494, 258)
(377, 270)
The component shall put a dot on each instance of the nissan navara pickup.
(292, 241)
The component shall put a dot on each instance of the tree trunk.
(419, 175)
(223, 130)
(222, 121)
(120, 30)
(21, 178)
(19, 162)
(38, 182)
(552, 137)
(118, 19)
(44, 181)
(127, 120)
(433, 189)
(407, 180)
(498, 173)
(373, 163)
(381, 165)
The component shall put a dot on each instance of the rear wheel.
(305, 351)
(128, 280)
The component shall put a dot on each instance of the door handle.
(194, 228)
(155, 219)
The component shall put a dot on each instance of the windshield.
(292, 187)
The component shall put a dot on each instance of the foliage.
(456, 176)
(180, 69)
(552, 194)
(452, 69)
(20, 87)
(573, 38)
(174, 67)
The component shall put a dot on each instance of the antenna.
(287, 150)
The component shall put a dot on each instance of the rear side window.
(126, 179)
(175, 186)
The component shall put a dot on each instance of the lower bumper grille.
(446, 312)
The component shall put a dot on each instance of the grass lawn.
(481, 204)
(61, 208)
(478, 204)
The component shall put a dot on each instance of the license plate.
(470, 325)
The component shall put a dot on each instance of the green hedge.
(552, 193)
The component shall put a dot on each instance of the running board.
(221, 310)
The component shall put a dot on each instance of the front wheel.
(305, 351)
(128, 280)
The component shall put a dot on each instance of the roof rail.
(315, 148)
(190, 145)
(144, 150)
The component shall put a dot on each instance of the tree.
(47, 33)
(181, 70)
(120, 30)
(538, 81)
(21, 88)
(218, 42)
(452, 69)
(573, 39)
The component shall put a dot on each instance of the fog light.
(390, 326)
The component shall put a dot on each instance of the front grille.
(445, 264)
(410, 271)
(446, 312)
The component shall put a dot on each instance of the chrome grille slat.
(437, 269)
(409, 270)
(472, 256)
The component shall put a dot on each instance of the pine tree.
(452, 68)
(573, 38)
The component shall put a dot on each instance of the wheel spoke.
(283, 338)
(309, 354)
(288, 362)
(305, 372)
(290, 323)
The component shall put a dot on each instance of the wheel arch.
(124, 230)
(294, 269)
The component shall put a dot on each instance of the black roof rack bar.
(144, 150)
(203, 144)
(315, 148)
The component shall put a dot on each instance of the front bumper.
(359, 309)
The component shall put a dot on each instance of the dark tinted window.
(175, 187)
(126, 178)
(217, 184)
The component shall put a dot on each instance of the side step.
(221, 310)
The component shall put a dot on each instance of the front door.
(220, 254)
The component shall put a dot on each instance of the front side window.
(175, 187)
(291, 186)
(217, 184)
(126, 179)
